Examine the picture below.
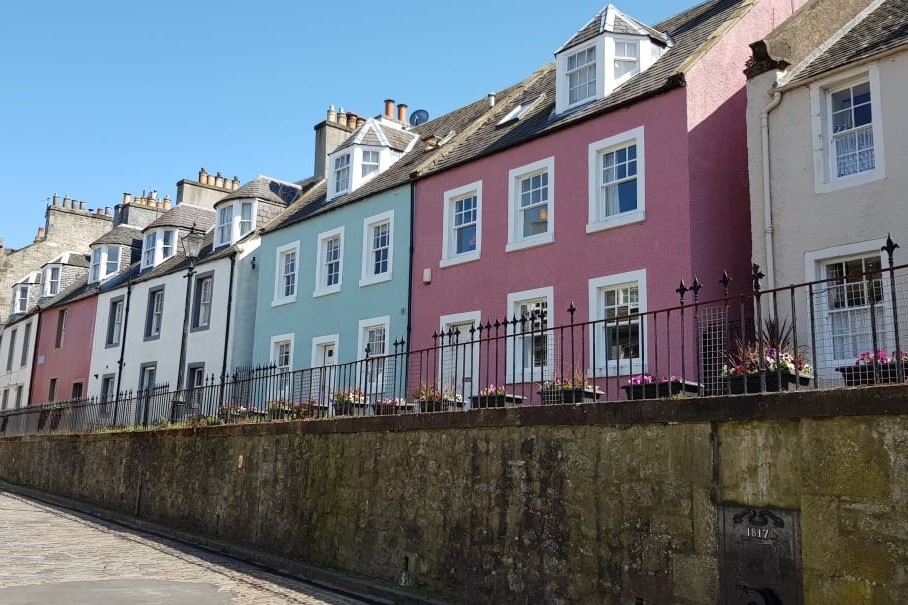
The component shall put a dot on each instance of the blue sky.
(102, 97)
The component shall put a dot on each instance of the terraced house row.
(642, 154)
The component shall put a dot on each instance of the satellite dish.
(420, 116)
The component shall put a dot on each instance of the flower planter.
(393, 408)
(864, 374)
(660, 389)
(435, 405)
(348, 408)
(774, 382)
(557, 395)
(495, 401)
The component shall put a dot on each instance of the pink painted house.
(606, 178)
(64, 343)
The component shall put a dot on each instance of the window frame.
(100, 262)
(515, 371)
(626, 59)
(152, 311)
(280, 298)
(114, 335)
(597, 150)
(824, 161)
(592, 66)
(336, 170)
(199, 281)
(363, 163)
(60, 337)
(321, 273)
(448, 255)
(52, 285)
(10, 353)
(374, 381)
(596, 288)
(20, 304)
(279, 340)
(368, 276)
(149, 249)
(26, 343)
(516, 176)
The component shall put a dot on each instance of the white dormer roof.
(605, 53)
(367, 152)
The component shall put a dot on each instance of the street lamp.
(192, 246)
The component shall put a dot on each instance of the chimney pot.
(360, 121)
(81, 205)
(236, 182)
(66, 201)
(218, 180)
(40, 233)
(341, 117)
(56, 200)
(107, 211)
(166, 204)
(351, 120)
(491, 97)
(332, 115)
(402, 113)
(389, 108)
(202, 175)
(127, 199)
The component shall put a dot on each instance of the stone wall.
(611, 503)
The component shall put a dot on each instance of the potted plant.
(646, 386)
(778, 368)
(574, 390)
(494, 396)
(346, 400)
(386, 406)
(284, 409)
(431, 399)
(873, 368)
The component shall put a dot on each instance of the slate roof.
(622, 24)
(476, 128)
(122, 236)
(265, 189)
(184, 216)
(882, 30)
(398, 139)
(693, 32)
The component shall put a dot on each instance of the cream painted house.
(828, 152)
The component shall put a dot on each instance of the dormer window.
(52, 281)
(627, 58)
(235, 220)
(581, 75)
(370, 162)
(159, 246)
(20, 303)
(342, 173)
(604, 54)
(105, 260)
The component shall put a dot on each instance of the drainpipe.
(227, 326)
(767, 193)
(410, 278)
(122, 345)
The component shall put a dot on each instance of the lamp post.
(192, 245)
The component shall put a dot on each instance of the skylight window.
(520, 111)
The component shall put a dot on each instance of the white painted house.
(828, 146)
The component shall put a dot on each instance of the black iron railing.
(844, 330)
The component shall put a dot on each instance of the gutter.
(767, 192)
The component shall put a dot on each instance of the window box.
(661, 389)
(390, 407)
(557, 394)
(495, 401)
(437, 405)
(881, 373)
(775, 381)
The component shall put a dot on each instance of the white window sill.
(461, 258)
(379, 279)
(853, 180)
(277, 302)
(618, 220)
(530, 242)
(326, 291)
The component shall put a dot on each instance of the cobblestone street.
(51, 555)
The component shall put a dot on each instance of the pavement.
(51, 555)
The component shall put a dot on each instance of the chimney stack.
(402, 113)
(389, 108)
